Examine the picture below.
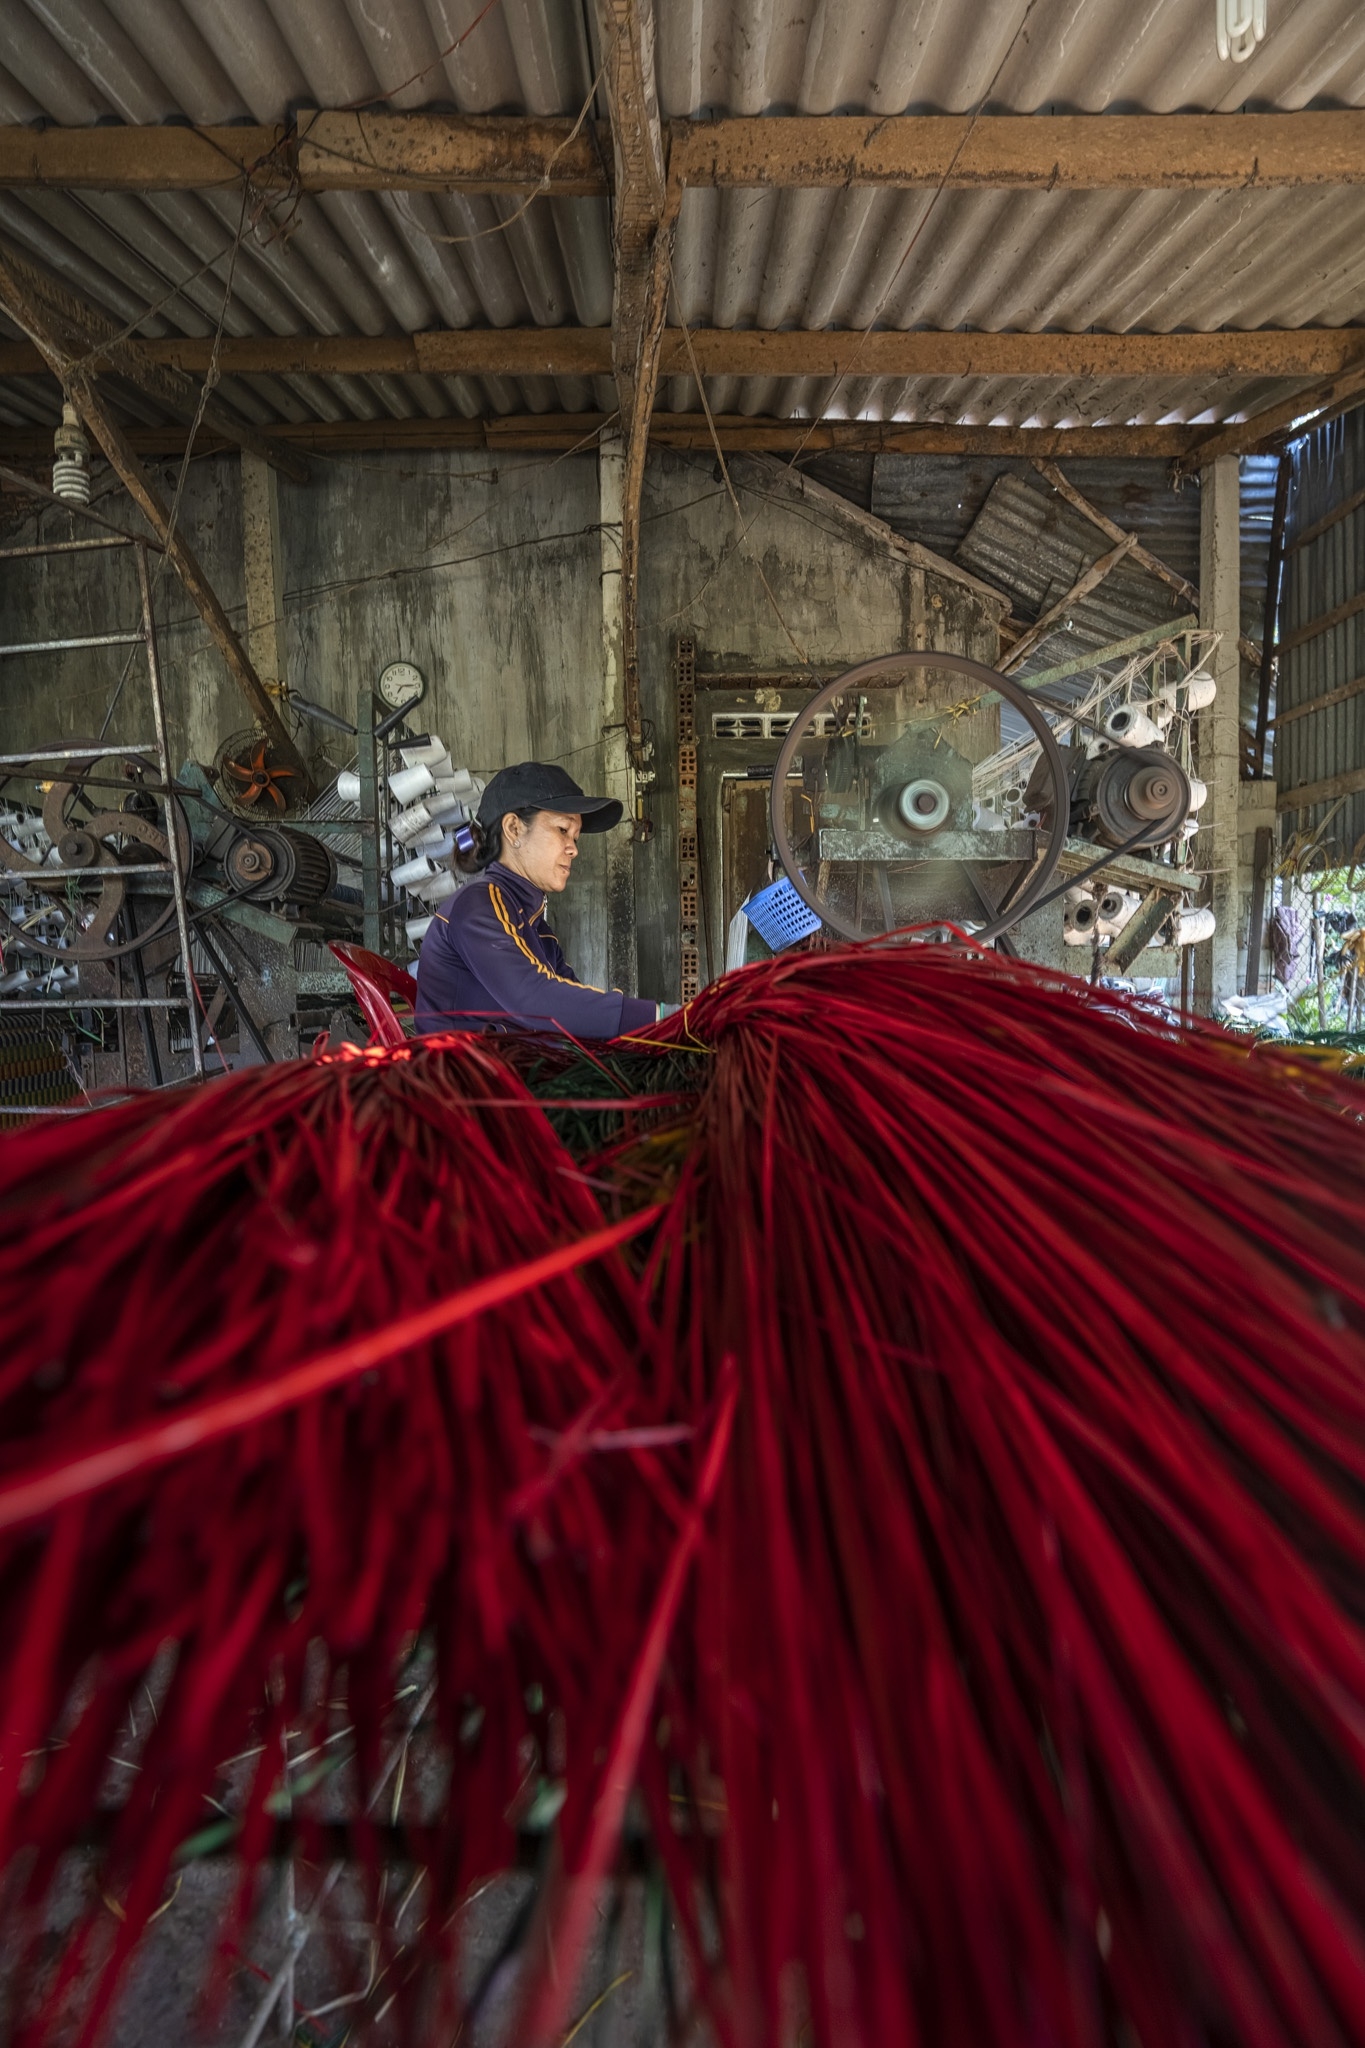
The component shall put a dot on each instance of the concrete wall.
(488, 577)
(503, 618)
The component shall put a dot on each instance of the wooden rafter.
(1144, 558)
(1277, 422)
(87, 338)
(1317, 353)
(1089, 579)
(561, 433)
(33, 316)
(643, 220)
(331, 151)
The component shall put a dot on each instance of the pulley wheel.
(873, 812)
(100, 816)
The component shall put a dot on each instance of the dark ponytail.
(485, 843)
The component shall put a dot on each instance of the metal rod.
(63, 547)
(149, 1044)
(1260, 880)
(367, 766)
(232, 983)
(1274, 575)
(76, 640)
(94, 1003)
(74, 753)
(101, 875)
(163, 755)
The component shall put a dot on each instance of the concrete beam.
(1309, 353)
(342, 150)
(1218, 739)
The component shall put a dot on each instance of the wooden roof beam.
(339, 151)
(1078, 152)
(1310, 352)
(92, 343)
(563, 433)
(1280, 423)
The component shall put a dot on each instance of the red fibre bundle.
(1025, 1655)
(166, 1260)
(972, 1585)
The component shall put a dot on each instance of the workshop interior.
(905, 465)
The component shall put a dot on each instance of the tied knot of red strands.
(948, 1515)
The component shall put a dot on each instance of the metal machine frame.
(146, 634)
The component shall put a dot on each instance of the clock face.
(401, 683)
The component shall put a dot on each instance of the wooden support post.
(1142, 927)
(622, 943)
(264, 573)
(644, 215)
(1219, 740)
(82, 392)
(1263, 863)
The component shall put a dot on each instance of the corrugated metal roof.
(372, 264)
(935, 498)
(1029, 542)
(1329, 468)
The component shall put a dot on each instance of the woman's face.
(544, 850)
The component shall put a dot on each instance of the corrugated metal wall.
(1323, 574)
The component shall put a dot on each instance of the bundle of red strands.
(927, 1465)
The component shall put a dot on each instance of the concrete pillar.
(623, 953)
(1218, 735)
(263, 570)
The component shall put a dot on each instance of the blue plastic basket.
(779, 915)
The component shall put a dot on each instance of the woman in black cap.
(489, 957)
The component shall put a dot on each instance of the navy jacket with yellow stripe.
(490, 958)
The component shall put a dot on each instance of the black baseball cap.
(541, 786)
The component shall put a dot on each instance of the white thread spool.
(348, 786)
(442, 884)
(445, 810)
(416, 929)
(1129, 727)
(429, 754)
(1116, 908)
(1192, 926)
(1199, 794)
(412, 873)
(1195, 693)
(407, 824)
(434, 841)
(407, 784)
